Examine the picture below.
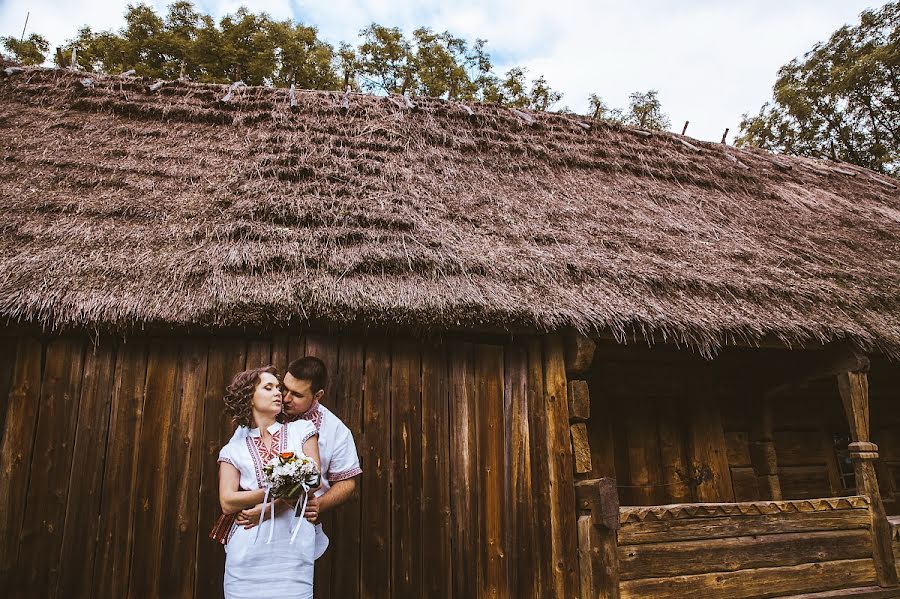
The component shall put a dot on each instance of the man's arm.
(340, 493)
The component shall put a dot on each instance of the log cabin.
(580, 359)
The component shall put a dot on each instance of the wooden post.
(598, 521)
(854, 389)
(762, 451)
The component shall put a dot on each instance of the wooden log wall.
(755, 549)
(108, 485)
(673, 428)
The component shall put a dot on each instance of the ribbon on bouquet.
(263, 513)
(299, 507)
(305, 491)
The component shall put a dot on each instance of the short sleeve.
(302, 430)
(344, 461)
(225, 455)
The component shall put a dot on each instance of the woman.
(255, 567)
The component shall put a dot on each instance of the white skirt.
(257, 570)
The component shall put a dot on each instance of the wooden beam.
(581, 448)
(579, 352)
(834, 359)
(762, 450)
(598, 505)
(854, 389)
(579, 401)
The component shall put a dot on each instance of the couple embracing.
(272, 537)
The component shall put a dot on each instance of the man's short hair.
(312, 369)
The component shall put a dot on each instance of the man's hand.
(312, 509)
(250, 517)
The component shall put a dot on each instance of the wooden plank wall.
(108, 485)
(658, 414)
(734, 551)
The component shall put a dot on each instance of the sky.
(711, 60)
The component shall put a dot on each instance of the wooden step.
(859, 592)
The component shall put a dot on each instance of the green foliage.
(257, 50)
(842, 100)
(29, 51)
(644, 111)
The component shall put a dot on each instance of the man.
(304, 387)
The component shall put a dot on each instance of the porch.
(754, 474)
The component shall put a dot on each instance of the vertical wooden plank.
(149, 500)
(491, 457)
(180, 528)
(519, 493)
(375, 460)
(707, 449)
(467, 549)
(226, 358)
(542, 582)
(436, 458)
(86, 479)
(259, 353)
(18, 441)
(563, 525)
(325, 348)
(7, 367)
(280, 353)
(644, 476)
(673, 452)
(48, 485)
(115, 535)
(296, 347)
(347, 398)
(406, 457)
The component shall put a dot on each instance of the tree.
(841, 100)
(29, 51)
(385, 60)
(645, 111)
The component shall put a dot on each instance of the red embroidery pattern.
(334, 477)
(314, 415)
(227, 461)
(261, 455)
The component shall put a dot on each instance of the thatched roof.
(129, 206)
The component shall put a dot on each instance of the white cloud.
(711, 60)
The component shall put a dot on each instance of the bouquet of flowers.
(289, 474)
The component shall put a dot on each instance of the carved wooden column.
(854, 388)
(762, 451)
(598, 521)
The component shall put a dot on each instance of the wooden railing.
(719, 550)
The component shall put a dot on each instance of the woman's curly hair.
(239, 394)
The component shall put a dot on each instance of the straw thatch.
(131, 204)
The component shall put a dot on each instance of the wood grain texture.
(519, 491)
(707, 448)
(21, 421)
(491, 441)
(375, 460)
(112, 565)
(437, 575)
(179, 528)
(86, 479)
(7, 366)
(732, 526)
(757, 583)
(655, 560)
(48, 484)
(563, 547)
(149, 501)
(464, 473)
(540, 469)
(227, 356)
(579, 401)
(346, 397)
(406, 457)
